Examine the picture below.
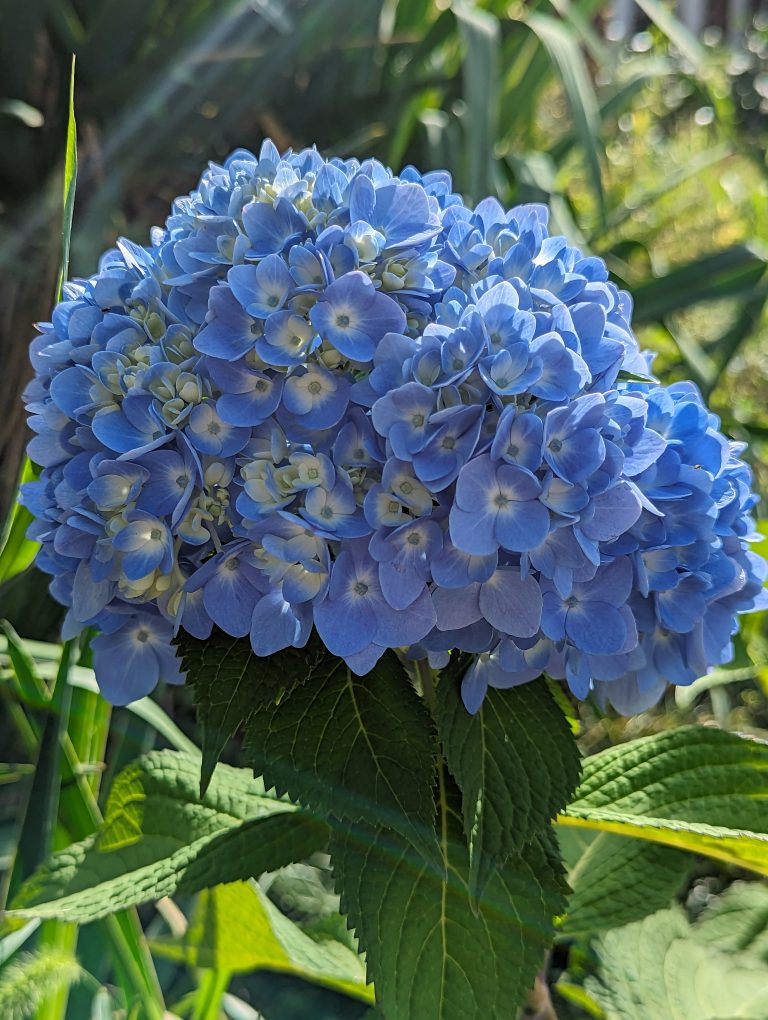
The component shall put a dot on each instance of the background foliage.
(651, 155)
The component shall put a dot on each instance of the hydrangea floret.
(327, 396)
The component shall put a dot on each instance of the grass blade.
(479, 31)
(687, 43)
(745, 325)
(146, 709)
(35, 839)
(60, 939)
(13, 942)
(16, 550)
(729, 273)
(70, 185)
(43, 658)
(213, 984)
(568, 60)
(29, 683)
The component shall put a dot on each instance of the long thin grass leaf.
(211, 988)
(480, 35)
(29, 683)
(44, 654)
(35, 839)
(527, 69)
(685, 41)
(13, 942)
(743, 327)
(634, 78)
(649, 196)
(16, 550)
(568, 60)
(146, 709)
(580, 18)
(70, 185)
(730, 273)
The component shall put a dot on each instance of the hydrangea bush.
(329, 413)
(327, 396)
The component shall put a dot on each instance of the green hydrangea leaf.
(229, 683)
(352, 748)
(663, 967)
(737, 920)
(159, 838)
(516, 763)
(428, 953)
(695, 788)
(615, 880)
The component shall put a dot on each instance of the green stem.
(425, 675)
(130, 948)
(213, 985)
(24, 727)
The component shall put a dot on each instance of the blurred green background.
(649, 145)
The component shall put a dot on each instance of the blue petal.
(400, 583)
(112, 428)
(345, 625)
(553, 615)
(522, 526)
(626, 696)
(596, 628)
(474, 532)
(457, 607)
(474, 687)
(276, 624)
(254, 407)
(270, 228)
(89, 597)
(363, 662)
(397, 628)
(230, 599)
(612, 513)
(511, 603)
(126, 670)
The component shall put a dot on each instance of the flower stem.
(424, 673)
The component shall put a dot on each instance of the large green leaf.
(237, 929)
(615, 880)
(159, 837)
(737, 920)
(428, 952)
(515, 761)
(695, 788)
(662, 967)
(229, 683)
(353, 747)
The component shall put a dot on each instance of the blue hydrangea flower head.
(325, 396)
